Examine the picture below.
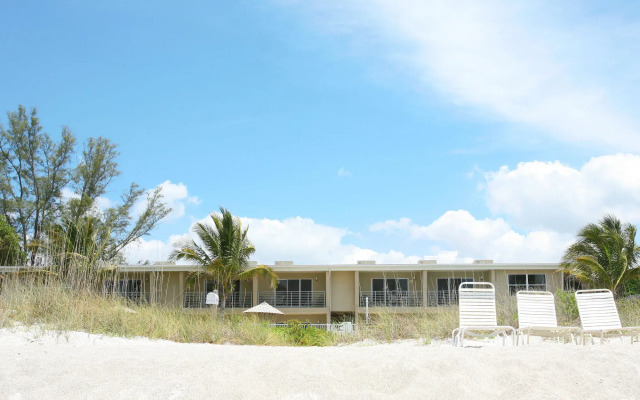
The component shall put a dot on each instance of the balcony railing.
(394, 298)
(134, 296)
(442, 298)
(341, 328)
(293, 299)
(234, 300)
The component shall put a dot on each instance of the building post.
(181, 288)
(152, 288)
(425, 290)
(357, 293)
(254, 296)
(327, 293)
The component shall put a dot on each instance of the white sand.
(82, 366)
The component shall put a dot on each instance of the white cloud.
(175, 195)
(343, 172)
(68, 194)
(472, 238)
(305, 241)
(454, 237)
(103, 203)
(552, 195)
(298, 239)
(534, 63)
(143, 250)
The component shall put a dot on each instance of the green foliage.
(604, 255)
(92, 175)
(10, 251)
(34, 170)
(300, 334)
(632, 287)
(51, 306)
(223, 255)
(77, 246)
(567, 308)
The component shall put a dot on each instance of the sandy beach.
(81, 366)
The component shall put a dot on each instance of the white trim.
(343, 267)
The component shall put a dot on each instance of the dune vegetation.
(48, 304)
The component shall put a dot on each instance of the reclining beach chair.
(599, 315)
(478, 313)
(537, 317)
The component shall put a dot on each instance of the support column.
(327, 293)
(152, 288)
(425, 290)
(357, 290)
(254, 296)
(181, 289)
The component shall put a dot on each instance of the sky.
(349, 130)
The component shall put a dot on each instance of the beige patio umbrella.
(264, 308)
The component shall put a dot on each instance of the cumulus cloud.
(152, 250)
(305, 241)
(174, 195)
(520, 61)
(455, 237)
(555, 196)
(301, 240)
(472, 238)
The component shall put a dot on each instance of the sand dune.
(81, 366)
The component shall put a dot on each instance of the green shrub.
(567, 308)
(301, 334)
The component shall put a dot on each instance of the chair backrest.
(536, 309)
(477, 304)
(597, 309)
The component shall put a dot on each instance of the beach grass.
(53, 306)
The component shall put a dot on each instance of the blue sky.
(349, 129)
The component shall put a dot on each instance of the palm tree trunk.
(223, 300)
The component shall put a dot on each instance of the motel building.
(334, 292)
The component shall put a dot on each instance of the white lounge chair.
(478, 313)
(537, 317)
(599, 315)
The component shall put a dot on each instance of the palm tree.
(77, 250)
(605, 255)
(222, 254)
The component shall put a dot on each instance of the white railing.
(341, 328)
(393, 298)
(135, 296)
(442, 298)
(299, 299)
(234, 300)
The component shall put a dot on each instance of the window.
(294, 293)
(571, 283)
(390, 284)
(447, 293)
(128, 288)
(209, 285)
(527, 282)
(451, 284)
(294, 285)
